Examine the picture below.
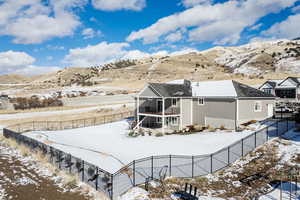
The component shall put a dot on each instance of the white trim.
(237, 110)
(163, 115)
(191, 111)
(138, 112)
(180, 114)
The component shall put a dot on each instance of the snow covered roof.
(179, 81)
(214, 88)
(226, 88)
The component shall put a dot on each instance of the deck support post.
(137, 112)
(163, 115)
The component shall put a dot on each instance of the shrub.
(222, 127)
(159, 134)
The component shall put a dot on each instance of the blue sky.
(38, 36)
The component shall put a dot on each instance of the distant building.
(4, 102)
(178, 104)
(288, 88)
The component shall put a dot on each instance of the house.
(178, 104)
(288, 89)
(270, 85)
(4, 102)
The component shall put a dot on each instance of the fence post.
(33, 126)
(59, 157)
(96, 181)
(287, 124)
(152, 167)
(211, 163)
(228, 152)
(60, 125)
(277, 128)
(255, 139)
(267, 135)
(112, 187)
(243, 147)
(192, 166)
(133, 173)
(94, 121)
(82, 174)
(170, 165)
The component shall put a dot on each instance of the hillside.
(251, 63)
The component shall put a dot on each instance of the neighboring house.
(288, 88)
(178, 104)
(270, 85)
(4, 102)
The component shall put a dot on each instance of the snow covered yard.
(248, 178)
(109, 146)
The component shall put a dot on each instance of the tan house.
(178, 104)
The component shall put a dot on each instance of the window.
(257, 106)
(174, 102)
(267, 90)
(172, 121)
(201, 101)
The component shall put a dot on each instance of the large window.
(257, 106)
(286, 93)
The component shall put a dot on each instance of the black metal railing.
(139, 171)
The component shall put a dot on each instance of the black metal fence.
(68, 124)
(139, 171)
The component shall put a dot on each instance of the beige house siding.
(246, 109)
(199, 112)
(186, 112)
(220, 112)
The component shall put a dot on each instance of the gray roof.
(243, 90)
(172, 90)
(182, 90)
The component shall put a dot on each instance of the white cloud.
(22, 63)
(89, 33)
(12, 60)
(96, 54)
(174, 37)
(221, 23)
(286, 29)
(135, 54)
(111, 5)
(191, 3)
(31, 21)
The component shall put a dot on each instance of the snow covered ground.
(109, 147)
(285, 192)
(48, 113)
